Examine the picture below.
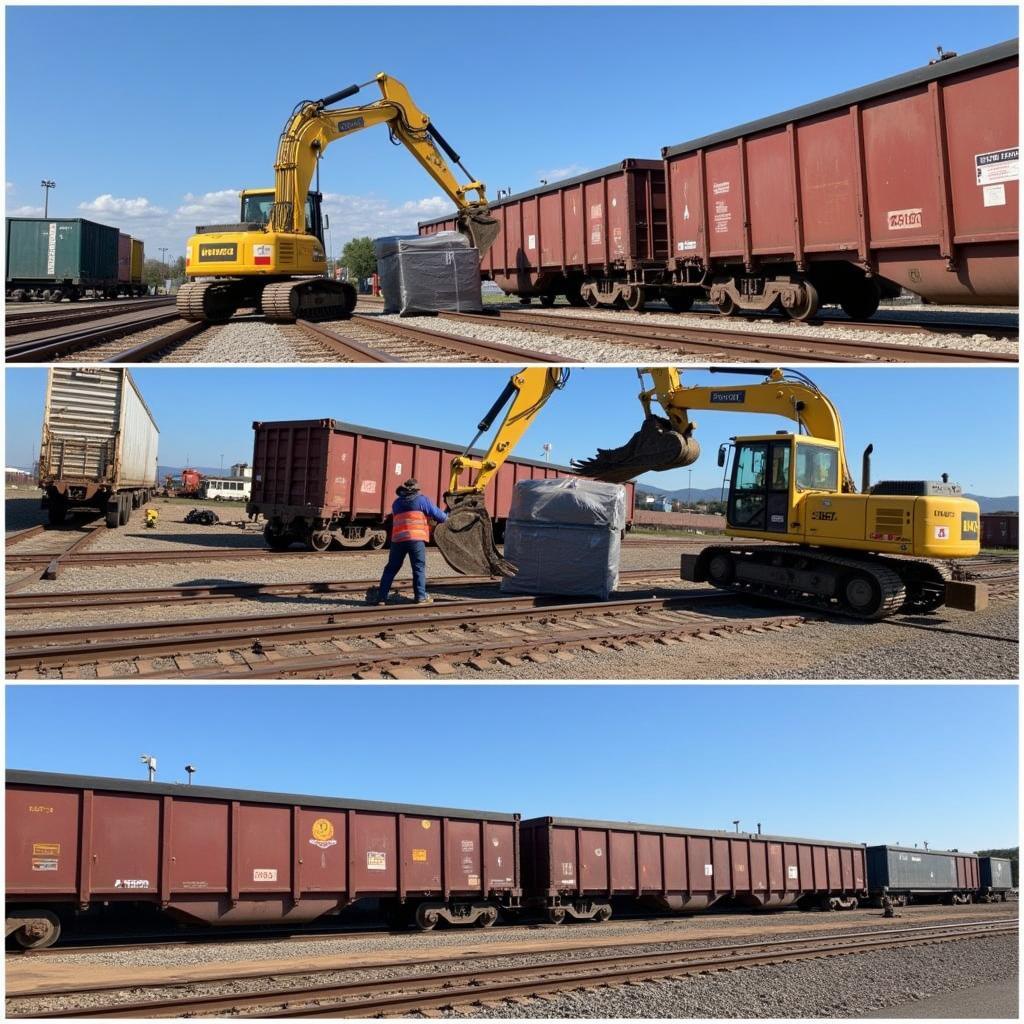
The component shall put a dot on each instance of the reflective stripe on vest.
(410, 526)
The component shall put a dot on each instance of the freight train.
(84, 850)
(67, 258)
(907, 183)
(324, 483)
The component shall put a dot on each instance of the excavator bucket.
(655, 446)
(466, 539)
(481, 228)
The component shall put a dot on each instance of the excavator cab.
(257, 203)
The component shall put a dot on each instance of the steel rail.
(190, 593)
(392, 993)
(140, 353)
(26, 323)
(15, 538)
(492, 351)
(53, 570)
(726, 340)
(408, 662)
(52, 345)
(351, 350)
(28, 648)
(94, 558)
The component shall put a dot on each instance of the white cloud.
(10, 187)
(26, 211)
(358, 216)
(112, 206)
(558, 173)
(218, 207)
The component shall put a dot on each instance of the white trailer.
(99, 444)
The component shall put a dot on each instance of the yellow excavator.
(274, 259)
(819, 543)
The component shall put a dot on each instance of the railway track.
(192, 593)
(38, 320)
(49, 346)
(727, 343)
(372, 339)
(403, 640)
(30, 560)
(351, 990)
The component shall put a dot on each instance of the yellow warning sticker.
(425, 823)
(419, 854)
(46, 849)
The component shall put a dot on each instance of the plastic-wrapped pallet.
(429, 273)
(565, 537)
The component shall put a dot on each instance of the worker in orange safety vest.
(410, 530)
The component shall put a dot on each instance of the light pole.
(689, 497)
(191, 769)
(47, 185)
(150, 763)
(546, 446)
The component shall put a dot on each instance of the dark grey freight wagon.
(913, 875)
(996, 878)
(57, 257)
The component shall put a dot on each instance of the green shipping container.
(66, 250)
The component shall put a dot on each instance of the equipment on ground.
(202, 517)
(151, 517)
(275, 260)
(867, 554)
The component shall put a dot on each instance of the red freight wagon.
(315, 481)
(910, 182)
(575, 868)
(585, 238)
(78, 844)
(1000, 530)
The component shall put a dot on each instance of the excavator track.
(205, 301)
(316, 298)
(925, 582)
(865, 588)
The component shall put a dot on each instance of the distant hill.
(1005, 504)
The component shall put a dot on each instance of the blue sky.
(155, 116)
(922, 422)
(809, 760)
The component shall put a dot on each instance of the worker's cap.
(411, 486)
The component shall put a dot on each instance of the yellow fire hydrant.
(151, 517)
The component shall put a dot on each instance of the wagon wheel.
(806, 306)
(556, 915)
(40, 932)
(591, 299)
(726, 305)
(547, 300)
(635, 298)
(320, 540)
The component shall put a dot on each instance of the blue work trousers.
(417, 552)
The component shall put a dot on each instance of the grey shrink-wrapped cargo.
(565, 537)
(432, 274)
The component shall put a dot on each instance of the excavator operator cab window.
(817, 468)
(759, 496)
(256, 210)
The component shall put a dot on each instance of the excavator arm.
(466, 540)
(792, 396)
(313, 126)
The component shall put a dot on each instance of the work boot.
(424, 600)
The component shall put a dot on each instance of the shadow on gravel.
(212, 540)
(21, 513)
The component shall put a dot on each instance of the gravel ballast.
(846, 986)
